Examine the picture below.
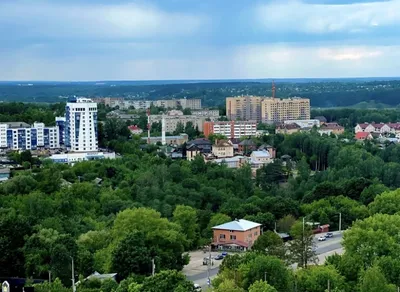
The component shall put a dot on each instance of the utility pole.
(49, 276)
(329, 285)
(340, 222)
(153, 267)
(304, 247)
(208, 265)
(265, 276)
(73, 274)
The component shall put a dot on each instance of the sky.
(84, 40)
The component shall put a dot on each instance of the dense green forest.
(322, 93)
(148, 206)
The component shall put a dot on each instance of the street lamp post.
(340, 222)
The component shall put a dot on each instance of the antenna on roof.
(273, 88)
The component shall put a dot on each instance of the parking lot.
(196, 266)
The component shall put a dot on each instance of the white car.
(197, 287)
(321, 238)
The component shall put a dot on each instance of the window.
(231, 231)
(222, 236)
(255, 233)
(233, 237)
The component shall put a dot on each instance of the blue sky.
(197, 39)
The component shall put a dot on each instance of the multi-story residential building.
(266, 109)
(244, 108)
(238, 234)
(169, 140)
(60, 123)
(81, 125)
(173, 119)
(206, 113)
(137, 104)
(194, 104)
(222, 148)
(22, 136)
(231, 129)
(275, 110)
(109, 101)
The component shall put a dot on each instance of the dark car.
(329, 234)
(224, 254)
(219, 257)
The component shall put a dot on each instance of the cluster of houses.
(320, 124)
(234, 153)
(382, 131)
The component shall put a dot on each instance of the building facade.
(275, 110)
(238, 234)
(222, 148)
(194, 104)
(172, 121)
(266, 109)
(81, 125)
(231, 129)
(21, 136)
(304, 123)
(206, 113)
(244, 108)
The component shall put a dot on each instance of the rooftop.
(222, 143)
(17, 125)
(238, 225)
(261, 154)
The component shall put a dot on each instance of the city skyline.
(156, 40)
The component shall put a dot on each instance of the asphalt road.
(322, 247)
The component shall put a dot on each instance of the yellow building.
(244, 108)
(275, 110)
(222, 148)
(267, 109)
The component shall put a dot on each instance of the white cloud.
(297, 16)
(53, 19)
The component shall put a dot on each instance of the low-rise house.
(203, 144)
(192, 151)
(4, 174)
(232, 162)
(304, 123)
(360, 136)
(331, 128)
(222, 148)
(259, 158)
(269, 148)
(235, 142)
(377, 128)
(321, 119)
(236, 235)
(247, 146)
(288, 129)
(135, 130)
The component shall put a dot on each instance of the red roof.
(362, 135)
(134, 128)
(363, 125)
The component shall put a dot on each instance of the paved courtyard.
(196, 266)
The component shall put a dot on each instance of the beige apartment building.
(275, 110)
(244, 108)
(267, 109)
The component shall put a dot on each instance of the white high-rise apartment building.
(81, 125)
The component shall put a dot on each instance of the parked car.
(224, 253)
(321, 238)
(197, 287)
(329, 234)
(205, 261)
(219, 257)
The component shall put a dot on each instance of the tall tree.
(186, 217)
(301, 248)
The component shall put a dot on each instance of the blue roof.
(261, 153)
(238, 225)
